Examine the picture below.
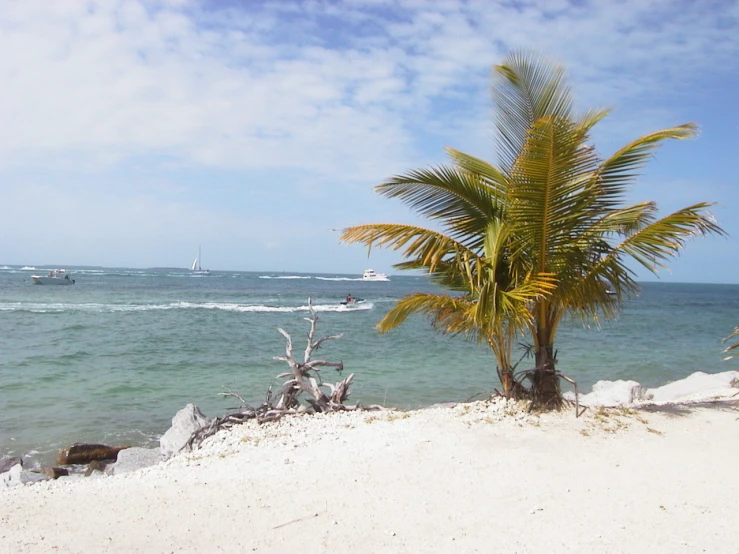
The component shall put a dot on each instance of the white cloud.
(316, 98)
(134, 78)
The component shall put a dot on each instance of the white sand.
(465, 479)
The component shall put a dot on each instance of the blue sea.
(113, 357)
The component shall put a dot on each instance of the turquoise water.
(112, 358)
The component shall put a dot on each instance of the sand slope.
(462, 479)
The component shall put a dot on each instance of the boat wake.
(285, 277)
(287, 309)
(224, 306)
(307, 277)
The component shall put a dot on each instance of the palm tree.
(488, 301)
(565, 204)
(564, 235)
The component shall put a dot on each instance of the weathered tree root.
(303, 378)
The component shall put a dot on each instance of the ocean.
(113, 357)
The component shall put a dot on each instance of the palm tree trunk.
(506, 380)
(501, 346)
(545, 383)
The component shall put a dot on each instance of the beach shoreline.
(113, 361)
(656, 478)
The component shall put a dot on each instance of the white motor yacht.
(54, 277)
(372, 275)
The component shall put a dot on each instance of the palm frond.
(590, 297)
(491, 175)
(589, 120)
(425, 246)
(549, 203)
(459, 199)
(526, 87)
(662, 239)
(622, 168)
(625, 221)
(447, 313)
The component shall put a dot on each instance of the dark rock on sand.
(86, 453)
(54, 472)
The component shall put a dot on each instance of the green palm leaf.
(460, 200)
(662, 239)
(548, 198)
(491, 175)
(426, 246)
(526, 88)
(622, 168)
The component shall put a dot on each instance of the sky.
(136, 131)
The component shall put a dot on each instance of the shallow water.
(112, 358)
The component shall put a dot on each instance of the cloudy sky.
(133, 131)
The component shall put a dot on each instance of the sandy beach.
(477, 477)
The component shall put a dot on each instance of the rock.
(95, 465)
(54, 472)
(86, 453)
(135, 458)
(612, 393)
(12, 477)
(7, 462)
(696, 387)
(186, 422)
(19, 476)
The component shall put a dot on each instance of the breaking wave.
(224, 306)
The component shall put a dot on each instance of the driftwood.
(304, 380)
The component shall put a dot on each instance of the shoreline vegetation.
(543, 233)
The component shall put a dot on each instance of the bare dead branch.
(303, 381)
(235, 395)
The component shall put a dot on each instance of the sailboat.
(195, 268)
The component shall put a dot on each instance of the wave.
(310, 277)
(91, 307)
(282, 309)
(285, 277)
(224, 306)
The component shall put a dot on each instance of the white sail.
(196, 265)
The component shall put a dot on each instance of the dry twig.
(303, 377)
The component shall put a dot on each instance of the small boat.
(372, 275)
(54, 277)
(352, 301)
(195, 268)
